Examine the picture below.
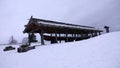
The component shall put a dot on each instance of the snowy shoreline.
(99, 52)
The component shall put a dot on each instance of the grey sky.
(14, 14)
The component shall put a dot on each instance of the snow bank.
(98, 52)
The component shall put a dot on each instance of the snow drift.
(98, 52)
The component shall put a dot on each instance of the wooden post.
(42, 38)
(99, 33)
(72, 35)
(51, 39)
(86, 36)
(75, 36)
(82, 36)
(29, 39)
(92, 34)
(95, 33)
(59, 37)
(51, 34)
(56, 40)
(107, 29)
(78, 35)
(66, 37)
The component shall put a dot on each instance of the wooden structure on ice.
(57, 31)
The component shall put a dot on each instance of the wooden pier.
(58, 31)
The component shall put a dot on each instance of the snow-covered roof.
(61, 24)
(52, 26)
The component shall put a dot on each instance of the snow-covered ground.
(98, 52)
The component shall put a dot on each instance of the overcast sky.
(14, 14)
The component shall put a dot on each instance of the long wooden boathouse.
(58, 31)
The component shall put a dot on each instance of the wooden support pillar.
(72, 38)
(95, 33)
(75, 36)
(78, 35)
(56, 40)
(51, 34)
(86, 36)
(72, 35)
(51, 39)
(42, 38)
(91, 34)
(107, 29)
(82, 36)
(59, 37)
(66, 37)
(99, 33)
(29, 39)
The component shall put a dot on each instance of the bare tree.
(12, 40)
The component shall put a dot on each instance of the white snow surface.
(99, 52)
